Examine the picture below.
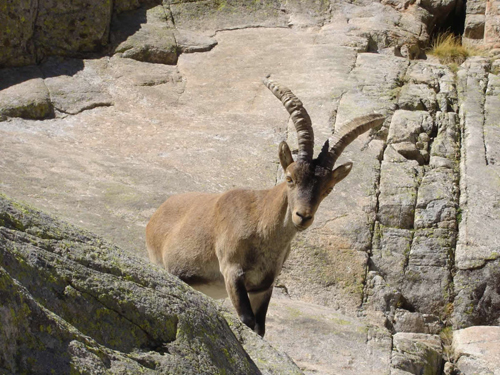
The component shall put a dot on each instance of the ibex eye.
(289, 180)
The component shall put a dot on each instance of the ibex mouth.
(300, 228)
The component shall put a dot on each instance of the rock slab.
(73, 303)
(477, 350)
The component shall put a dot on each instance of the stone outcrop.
(416, 353)
(153, 30)
(74, 303)
(476, 350)
(32, 30)
(415, 228)
(477, 256)
(405, 247)
(29, 99)
(482, 24)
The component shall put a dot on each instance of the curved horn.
(300, 118)
(345, 135)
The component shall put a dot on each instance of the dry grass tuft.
(448, 49)
(446, 336)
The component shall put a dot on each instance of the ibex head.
(310, 180)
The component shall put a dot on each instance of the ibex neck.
(276, 216)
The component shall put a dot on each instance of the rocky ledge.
(72, 303)
(409, 241)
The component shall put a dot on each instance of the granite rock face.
(407, 242)
(24, 94)
(477, 256)
(415, 231)
(476, 350)
(145, 35)
(18, 25)
(416, 353)
(74, 303)
(482, 24)
(35, 30)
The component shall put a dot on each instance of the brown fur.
(238, 241)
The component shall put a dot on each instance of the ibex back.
(237, 242)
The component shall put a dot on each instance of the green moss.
(406, 251)
(459, 215)
(341, 322)
(12, 221)
(413, 276)
(470, 309)
(222, 5)
(394, 93)
(494, 255)
(363, 329)
(293, 313)
(48, 329)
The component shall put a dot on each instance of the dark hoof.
(260, 330)
(248, 320)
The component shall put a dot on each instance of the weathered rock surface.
(24, 94)
(74, 303)
(406, 321)
(409, 239)
(415, 230)
(73, 28)
(482, 24)
(146, 35)
(36, 30)
(74, 88)
(323, 341)
(477, 350)
(416, 353)
(477, 257)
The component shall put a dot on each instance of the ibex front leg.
(234, 278)
(260, 303)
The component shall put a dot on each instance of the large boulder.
(17, 23)
(476, 350)
(73, 303)
(23, 93)
(416, 353)
(71, 28)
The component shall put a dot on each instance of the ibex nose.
(304, 217)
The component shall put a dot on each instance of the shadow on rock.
(55, 67)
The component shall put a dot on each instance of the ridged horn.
(300, 118)
(345, 135)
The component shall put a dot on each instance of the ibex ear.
(285, 155)
(341, 172)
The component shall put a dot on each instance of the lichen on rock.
(72, 302)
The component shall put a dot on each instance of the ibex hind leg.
(154, 255)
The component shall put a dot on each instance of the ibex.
(236, 242)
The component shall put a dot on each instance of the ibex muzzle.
(307, 185)
(237, 242)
